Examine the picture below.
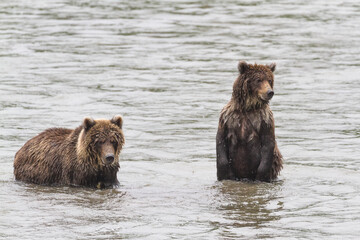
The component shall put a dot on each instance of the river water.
(168, 67)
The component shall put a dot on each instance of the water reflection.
(73, 196)
(247, 205)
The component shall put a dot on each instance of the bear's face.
(262, 86)
(255, 83)
(101, 140)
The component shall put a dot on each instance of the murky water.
(168, 68)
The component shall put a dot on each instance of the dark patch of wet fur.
(60, 156)
(246, 126)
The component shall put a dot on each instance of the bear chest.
(243, 129)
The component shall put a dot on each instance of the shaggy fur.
(245, 142)
(85, 156)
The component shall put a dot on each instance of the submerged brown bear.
(85, 156)
(245, 141)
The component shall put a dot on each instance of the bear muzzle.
(265, 91)
(270, 94)
(109, 159)
(267, 95)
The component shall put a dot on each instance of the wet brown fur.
(60, 156)
(246, 145)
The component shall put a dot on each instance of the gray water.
(168, 67)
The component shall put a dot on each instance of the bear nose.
(270, 94)
(109, 158)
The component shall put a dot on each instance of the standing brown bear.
(245, 141)
(86, 156)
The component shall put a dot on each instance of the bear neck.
(245, 104)
(97, 175)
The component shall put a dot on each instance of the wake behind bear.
(86, 156)
(245, 142)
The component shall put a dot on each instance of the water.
(168, 68)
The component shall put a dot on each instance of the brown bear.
(85, 156)
(245, 141)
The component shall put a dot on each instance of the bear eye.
(114, 142)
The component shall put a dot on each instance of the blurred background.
(168, 68)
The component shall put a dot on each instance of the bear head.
(100, 141)
(254, 86)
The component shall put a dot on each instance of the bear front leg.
(267, 155)
(224, 171)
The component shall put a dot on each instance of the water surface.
(168, 68)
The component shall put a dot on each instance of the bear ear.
(118, 121)
(88, 123)
(243, 67)
(272, 67)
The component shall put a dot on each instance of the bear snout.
(270, 94)
(109, 159)
(265, 91)
(266, 95)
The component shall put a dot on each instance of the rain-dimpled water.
(168, 67)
